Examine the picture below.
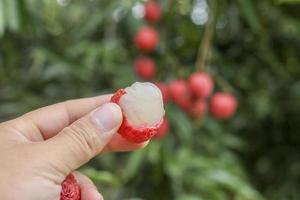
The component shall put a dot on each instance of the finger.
(88, 189)
(83, 139)
(46, 122)
(120, 144)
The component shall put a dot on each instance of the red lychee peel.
(117, 96)
(180, 94)
(163, 130)
(198, 109)
(201, 84)
(152, 11)
(70, 189)
(130, 132)
(138, 134)
(146, 39)
(223, 105)
(144, 67)
(164, 91)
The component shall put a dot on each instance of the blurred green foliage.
(51, 51)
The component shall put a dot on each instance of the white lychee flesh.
(142, 104)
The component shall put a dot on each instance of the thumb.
(85, 138)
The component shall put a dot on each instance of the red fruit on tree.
(70, 189)
(199, 108)
(143, 112)
(180, 94)
(163, 130)
(201, 84)
(164, 91)
(144, 67)
(152, 11)
(146, 39)
(223, 105)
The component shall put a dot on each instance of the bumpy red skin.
(164, 91)
(163, 130)
(152, 12)
(198, 109)
(201, 84)
(180, 94)
(70, 189)
(223, 105)
(130, 132)
(144, 67)
(146, 39)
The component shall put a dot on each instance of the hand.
(39, 149)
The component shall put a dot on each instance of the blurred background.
(54, 50)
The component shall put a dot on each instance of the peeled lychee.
(143, 111)
(223, 105)
(70, 189)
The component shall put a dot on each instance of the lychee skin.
(130, 132)
(144, 67)
(163, 130)
(180, 94)
(146, 39)
(223, 105)
(70, 189)
(138, 134)
(198, 109)
(164, 91)
(117, 96)
(152, 12)
(201, 84)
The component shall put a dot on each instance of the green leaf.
(233, 182)
(13, 15)
(2, 17)
(101, 176)
(182, 125)
(250, 14)
(134, 163)
(286, 1)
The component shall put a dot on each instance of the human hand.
(39, 149)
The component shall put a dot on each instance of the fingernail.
(96, 195)
(108, 116)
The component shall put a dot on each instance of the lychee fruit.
(144, 67)
(146, 39)
(180, 93)
(163, 130)
(201, 84)
(152, 11)
(164, 91)
(70, 189)
(198, 109)
(223, 105)
(143, 111)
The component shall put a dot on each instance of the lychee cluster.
(193, 94)
(146, 41)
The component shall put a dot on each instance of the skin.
(39, 149)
